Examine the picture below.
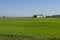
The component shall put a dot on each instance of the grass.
(39, 27)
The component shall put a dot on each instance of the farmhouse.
(39, 16)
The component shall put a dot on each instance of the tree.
(4, 16)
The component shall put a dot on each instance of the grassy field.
(39, 27)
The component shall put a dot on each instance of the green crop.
(42, 27)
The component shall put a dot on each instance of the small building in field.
(39, 16)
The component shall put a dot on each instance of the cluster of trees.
(54, 16)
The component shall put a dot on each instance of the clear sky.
(29, 7)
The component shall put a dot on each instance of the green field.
(39, 27)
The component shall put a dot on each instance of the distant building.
(39, 16)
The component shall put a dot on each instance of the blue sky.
(29, 7)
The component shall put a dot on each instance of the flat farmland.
(38, 27)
